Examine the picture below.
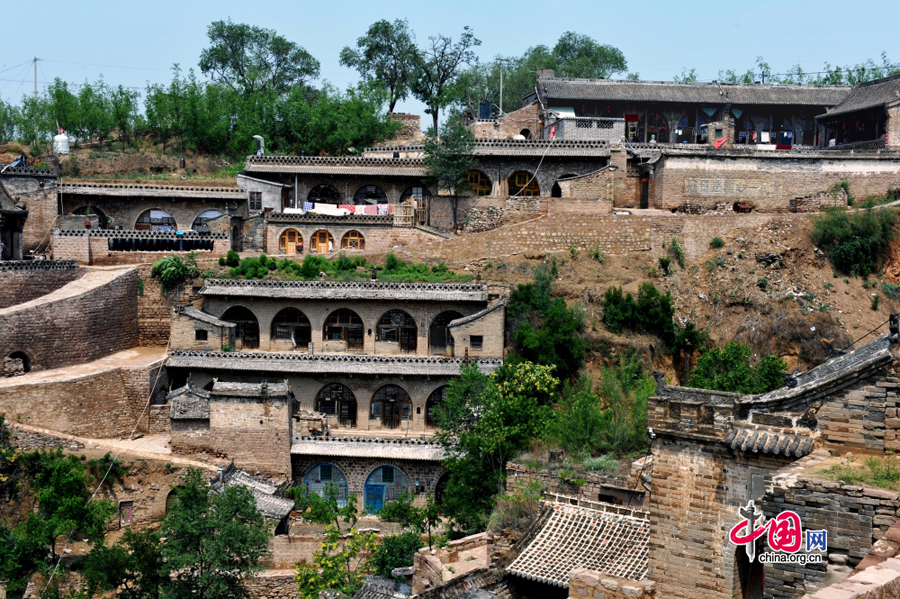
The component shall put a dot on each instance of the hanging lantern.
(645, 180)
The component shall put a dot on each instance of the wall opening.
(344, 325)
(247, 331)
(324, 193)
(21, 356)
(523, 183)
(338, 400)
(391, 404)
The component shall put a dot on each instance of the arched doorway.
(523, 183)
(292, 325)
(433, 406)
(386, 483)
(247, 332)
(392, 406)
(338, 400)
(556, 191)
(526, 133)
(325, 194)
(155, 220)
(369, 194)
(18, 356)
(396, 326)
(479, 183)
(102, 219)
(322, 476)
(440, 489)
(200, 223)
(321, 242)
(291, 242)
(750, 575)
(440, 342)
(353, 240)
(343, 331)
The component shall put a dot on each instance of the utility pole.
(501, 87)
(35, 77)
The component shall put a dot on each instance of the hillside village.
(643, 345)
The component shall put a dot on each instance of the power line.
(107, 66)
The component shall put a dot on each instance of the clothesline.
(369, 209)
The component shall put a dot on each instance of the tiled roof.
(188, 403)
(867, 95)
(481, 314)
(769, 441)
(528, 147)
(382, 448)
(578, 537)
(267, 503)
(168, 191)
(295, 363)
(444, 292)
(336, 165)
(7, 203)
(697, 93)
(196, 314)
(376, 587)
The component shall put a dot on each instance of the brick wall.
(595, 186)
(489, 327)
(93, 317)
(768, 182)
(95, 251)
(596, 486)
(863, 416)
(377, 237)
(893, 127)
(154, 310)
(97, 405)
(508, 125)
(38, 193)
(22, 286)
(124, 210)
(184, 334)
(588, 584)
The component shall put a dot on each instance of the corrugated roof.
(694, 93)
(871, 94)
(579, 537)
(382, 448)
(294, 363)
(444, 292)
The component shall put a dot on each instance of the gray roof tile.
(867, 95)
(444, 292)
(382, 448)
(166, 191)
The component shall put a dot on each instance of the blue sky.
(130, 43)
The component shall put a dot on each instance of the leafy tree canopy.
(728, 369)
(439, 66)
(250, 59)
(386, 54)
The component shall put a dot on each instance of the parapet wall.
(91, 317)
(110, 248)
(24, 280)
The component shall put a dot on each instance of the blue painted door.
(374, 498)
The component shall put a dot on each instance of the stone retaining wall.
(29, 281)
(278, 584)
(587, 584)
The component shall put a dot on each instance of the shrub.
(596, 253)
(664, 263)
(845, 185)
(762, 283)
(232, 258)
(577, 418)
(573, 250)
(677, 252)
(716, 243)
(890, 290)
(173, 270)
(728, 369)
(605, 463)
(875, 300)
(396, 551)
(858, 241)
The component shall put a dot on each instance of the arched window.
(102, 219)
(321, 242)
(200, 223)
(479, 183)
(396, 326)
(324, 193)
(292, 325)
(321, 476)
(291, 242)
(338, 400)
(391, 405)
(439, 339)
(155, 220)
(369, 194)
(386, 483)
(433, 404)
(416, 193)
(344, 325)
(523, 183)
(247, 332)
(353, 240)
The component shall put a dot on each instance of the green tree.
(250, 59)
(395, 551)
(728, 369)
(133, 567)
(341, 564)
(419, 519)
(325, 509)
(123, 104)
(554, 340)
(449, 159)
(386, 54)
(579, 55)
(857, 241)
(577, 418)
(213, 540)
(9, 120)
(438, 67)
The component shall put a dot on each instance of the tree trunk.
(454, 203)
(434, 118)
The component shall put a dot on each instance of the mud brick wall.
(588, 584)
(17, 287)
(154, 311)
(98, 405)
(38, 193)
(158, 420)
(509, 125)
(767, 182)
(594, 186)
(854, 516)
(287, 551)
(256, 435)
(819, 201)
(75, 325)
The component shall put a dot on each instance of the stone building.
(868, 118)
(33, 190)
(714, 451)
(12, 222)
